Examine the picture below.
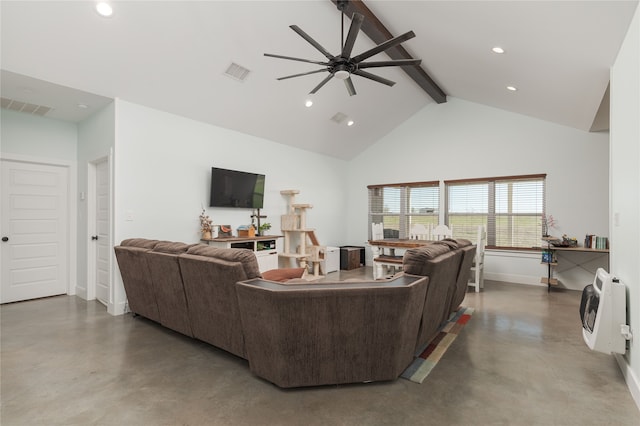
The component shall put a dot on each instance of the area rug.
(427, 358)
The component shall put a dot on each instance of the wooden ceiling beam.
(378, 33)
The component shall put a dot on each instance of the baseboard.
(630, 377)
(116, 309)
(81, 292)
(513, 278)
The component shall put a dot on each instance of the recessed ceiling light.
(512, 88)
(308, 103)
(104, 9)
(350, 123)
(497, 49)
(83, 106)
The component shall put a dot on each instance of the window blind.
(510, 207)
(399, 206)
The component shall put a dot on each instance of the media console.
(265, 247)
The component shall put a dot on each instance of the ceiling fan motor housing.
(341, 68)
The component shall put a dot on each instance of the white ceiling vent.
(14, 105)
(339, 117)
(237, 72)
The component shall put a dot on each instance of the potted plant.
(206, 226)
(264, 228)
(547, 223)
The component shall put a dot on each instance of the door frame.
(72, 208)
(91, 229)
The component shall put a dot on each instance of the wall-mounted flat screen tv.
(233, 188)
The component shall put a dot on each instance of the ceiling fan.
(342, 66)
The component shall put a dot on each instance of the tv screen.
(233, 188)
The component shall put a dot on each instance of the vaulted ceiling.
(172, 56)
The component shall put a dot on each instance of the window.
(511, 208)
(399, 206)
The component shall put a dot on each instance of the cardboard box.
(250, 232)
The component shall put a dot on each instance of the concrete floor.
(519, 361)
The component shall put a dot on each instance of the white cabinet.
(267, 260)
(265, 248)
(331, 261)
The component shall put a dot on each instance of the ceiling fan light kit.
(343, 66)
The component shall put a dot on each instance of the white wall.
(460, 139)
(163, 171)
(625, 189)
(35, 136)
(96, 138)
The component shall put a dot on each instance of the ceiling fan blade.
(301, 74)
(356, 23)
(349, 84)
(322, 83)
(295, 59)
(398, 62)
(384, 46)
(374, 77)
(311, 41)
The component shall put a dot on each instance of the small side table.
(351, 257)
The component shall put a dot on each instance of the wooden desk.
(390, 259)
(550, 280)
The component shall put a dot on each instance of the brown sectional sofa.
(297, 333)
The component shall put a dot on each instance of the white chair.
(477, 269)
(441, 231)
(420, 232)
(377, 231)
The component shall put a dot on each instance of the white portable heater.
(603, 314)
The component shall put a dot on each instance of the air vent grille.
(339, 117)
(15, 105)
(237, 72)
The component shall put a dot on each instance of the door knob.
(94, 237)
(5, 239)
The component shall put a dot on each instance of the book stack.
(595, 242)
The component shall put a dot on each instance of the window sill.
(515, 249)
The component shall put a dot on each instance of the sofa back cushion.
(245, 257)
(468, 254)
(209, 285)
(170, 247)
(136, 277)
(168, 287)
(441, 265)
(419, 261)
(139, 242)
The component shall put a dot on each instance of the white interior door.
(34, 228)
(101, 236)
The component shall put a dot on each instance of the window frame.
(404, 215)
(492, 215)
